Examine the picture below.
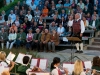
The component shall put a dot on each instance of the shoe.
(80, 51)
(77, 52)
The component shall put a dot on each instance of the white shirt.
(13, 17)
(70, 23)
(29, 17)
(60, 30)
(33, 7)
(12, 36)
(93, 24)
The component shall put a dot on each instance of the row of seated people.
(23, 69)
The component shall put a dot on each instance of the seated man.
(44, 40)
(36, 39)
(3, 37)
(21, 37)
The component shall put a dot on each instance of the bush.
(7, 7)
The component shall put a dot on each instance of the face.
(46, 30)
(30, 31)
(76, 16)
(37, 30)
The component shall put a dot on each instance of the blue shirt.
(58, 5)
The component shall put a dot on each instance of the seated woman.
(29, 39)
(54, 67)
(45, 12)
(14, 27)
(61, 30)
(3, 63)
(86, 23)
(11, 39)
(54, 40)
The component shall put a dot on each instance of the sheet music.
(10, 57)
(43, 64)
(33, 63)
(65, 39)
(88, 64)
(70, 67)
(19, 58)
(37, 73)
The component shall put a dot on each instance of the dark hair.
(55, 61)
(26, 59)
(95, 60)
(98, 62)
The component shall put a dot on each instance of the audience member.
(12, 15)
(16, 10)
(23, 10)
(36, 40)
(17, 21)
(29, 39)
(33, 6)
(94, 23)
(31, 11)
(40, 6)
(21, 38)
(21, 16)
(86, 23)
(54, 41)
(37, 12)
(52, 26)
(3, 37)
(63, 14)
(1, 20)
(81, 4)
(11, 39)
(58, 5)
(4, 16)
(45, 11)
(34, 27)
(55, 70)
(44, 40)
(29, 16)
(61, 30)
(14, 27)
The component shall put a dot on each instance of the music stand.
(73, 40)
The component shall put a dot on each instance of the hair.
(26, 59)
(56, 60)
(2, 55)
(78, 67)
(95, 59)
(98, 62)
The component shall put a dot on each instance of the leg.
(11, 45)
(27, 45)
(38, 45)
(41, 46)
(46, 46)
(7, 44)
(32, 46)
(49, 46)
(77, 47)
(18, 43)
(2, 45)
(81, 47)
(53, 46)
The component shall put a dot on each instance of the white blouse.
(70, 23)
(12, 36)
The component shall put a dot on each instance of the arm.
(82, 28)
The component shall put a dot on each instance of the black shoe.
(77, 52)
(80, 51)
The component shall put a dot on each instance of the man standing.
(3, 37)
(36, 39)
(78, 30)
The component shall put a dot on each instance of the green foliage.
(11, 5)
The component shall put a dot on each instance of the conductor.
(78, 29)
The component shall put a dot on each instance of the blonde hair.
(78, 67)
(2, 55)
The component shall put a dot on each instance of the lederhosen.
(76, 29)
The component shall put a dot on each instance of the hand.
(12, 63)
(94, 71)
(66, 71)
(51, 40)
(44, 42)
(81, 34)
(87, 70)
